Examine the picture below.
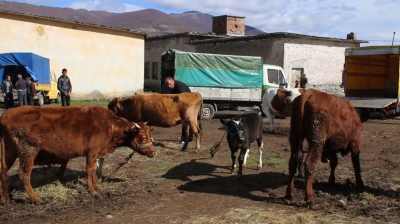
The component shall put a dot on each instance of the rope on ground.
(216, 146)
(127, 159)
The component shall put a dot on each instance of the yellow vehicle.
(34, 66)
(46, 93)
(372, 79)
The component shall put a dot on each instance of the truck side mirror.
(283, 85)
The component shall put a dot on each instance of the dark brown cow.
(331, 125)
(163, 110)
(54, 135)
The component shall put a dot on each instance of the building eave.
(73, 22)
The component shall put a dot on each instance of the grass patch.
(159, 168)
(268, 158)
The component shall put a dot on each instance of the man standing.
(303, 81)
(21, 86)
(31, 91)
(176, 88)
(7, 89)
(65, 88)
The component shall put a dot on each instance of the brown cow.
(54, 135)
(163, 110)
(331, 125)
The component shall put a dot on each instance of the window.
(155, 70)
(147, 70)
(273, 76)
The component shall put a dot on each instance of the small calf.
(242, 131)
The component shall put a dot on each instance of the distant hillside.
(151, 21)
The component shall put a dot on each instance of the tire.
(58, 100)
(207, 112)
(40, 99)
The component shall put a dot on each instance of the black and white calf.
(242, 131)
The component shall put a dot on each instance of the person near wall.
(303, 81)
(21, 85)
(176, 88)
(65, 88)
(31, 91)
(7, 89)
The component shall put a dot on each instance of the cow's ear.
(287, 92)
(223, 121)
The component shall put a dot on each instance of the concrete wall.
(101, 62)
(154, 49)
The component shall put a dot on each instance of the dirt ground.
(191, 187)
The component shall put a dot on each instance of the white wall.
(323, 65)
(101, 62)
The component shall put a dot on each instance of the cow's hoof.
(259, 167)
(310, 205)
(288, 197)
(37, 201)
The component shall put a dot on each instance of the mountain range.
(151, 21)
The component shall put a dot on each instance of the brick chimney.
(228, 25)
(351, 36)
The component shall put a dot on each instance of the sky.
(372, 20)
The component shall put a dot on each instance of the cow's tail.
(297, 116)
(199, 117)
(4, 168)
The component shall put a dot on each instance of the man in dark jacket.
(7, 89)
(65, 88)
(21, 86)
(176, 88)
(31, 91)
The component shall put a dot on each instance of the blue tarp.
(37, 66)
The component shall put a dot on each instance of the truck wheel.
(40, 99)
(207, 111)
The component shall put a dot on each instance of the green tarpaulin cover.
(223, 71)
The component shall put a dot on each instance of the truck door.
(276, 78)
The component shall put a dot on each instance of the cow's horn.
(135, 124)
(146, 122)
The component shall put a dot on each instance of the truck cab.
(274, 77)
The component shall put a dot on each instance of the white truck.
(225, 81)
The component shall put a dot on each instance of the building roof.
(272, 35)
(74, 22)
(183, 34)
(214, 38)
(228, 16)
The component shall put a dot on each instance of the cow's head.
(115, 106)
(140, 139)
(235, 128)
(282, 101)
